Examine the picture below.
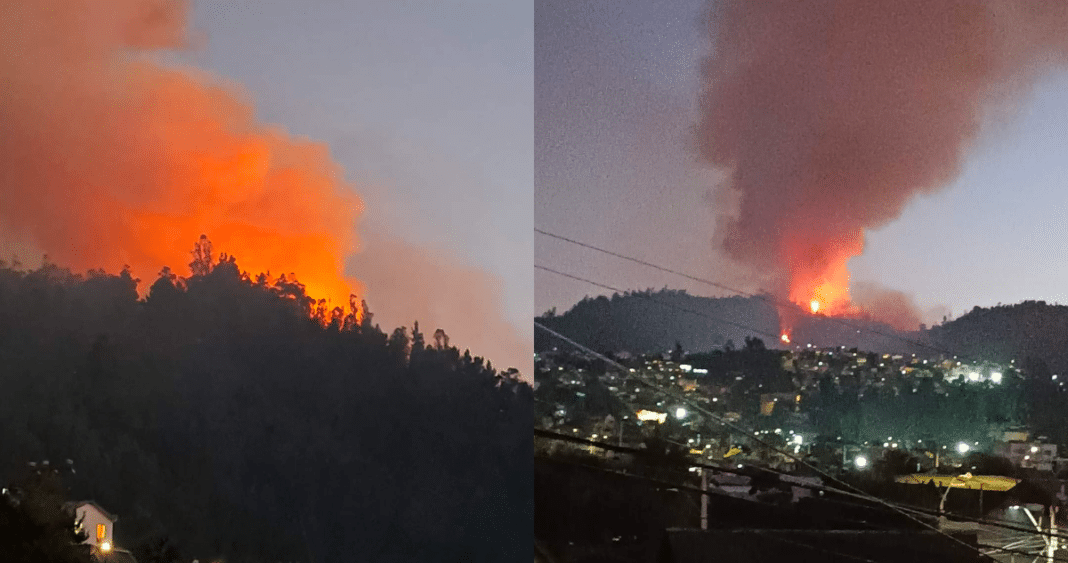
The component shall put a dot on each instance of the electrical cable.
(749, 434)
(663, 303)
(996, 523)
(766, 298)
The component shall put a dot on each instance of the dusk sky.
(427, 106)
(616, 104)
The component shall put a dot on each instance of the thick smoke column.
(829, 116)
(109, 159)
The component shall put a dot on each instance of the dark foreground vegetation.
(231, 417)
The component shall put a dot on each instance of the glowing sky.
(429, 108)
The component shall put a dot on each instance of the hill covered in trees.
(653, 321)
(1032, 329)
(648, 321)
(234, 418)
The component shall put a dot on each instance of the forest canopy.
(232, 416)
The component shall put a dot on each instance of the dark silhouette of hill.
(647, 321)
(653, 321)
(233, 418)
(1034, 333)
(1032, 330)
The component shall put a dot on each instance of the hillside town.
(830, 405)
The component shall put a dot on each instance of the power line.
(663, 303)
(648, 264)
(750, 435)
(696, 490)
(766, 298)
(698, 313)
(996, 523)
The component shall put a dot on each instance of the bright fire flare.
(814, 305)
(785, 338)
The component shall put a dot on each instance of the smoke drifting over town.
(829, 117)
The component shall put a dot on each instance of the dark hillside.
(244, 422)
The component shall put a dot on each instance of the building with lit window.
(99, 527)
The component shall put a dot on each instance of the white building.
(97, 523)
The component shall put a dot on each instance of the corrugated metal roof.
(966, 481)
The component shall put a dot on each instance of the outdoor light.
(105, 546)
(680, 413)
(995, 377)
(974, 376)
(860, 461)
(1034, 449)
(797, 439)
(963, 448)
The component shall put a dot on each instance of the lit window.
(101, 532)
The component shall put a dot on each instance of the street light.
(680, 413)
(860, 461)
(963, 448)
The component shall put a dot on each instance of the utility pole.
(704, 499)
(1052, 524)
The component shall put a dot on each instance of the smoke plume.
(110, 159)
(406, 283)
(892, 307)
(830, 116)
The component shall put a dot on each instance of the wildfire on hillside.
(114, 159)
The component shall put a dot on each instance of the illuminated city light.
(105, 546)
(680, 413)
(973, 376)
(797, 439)
(860, 461)
(649, 416)
(785, 338)
(1034, 449)
(963, 448)
(995, 377)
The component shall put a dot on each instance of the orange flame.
(113, 160)
(785, 338)
(819, 277)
